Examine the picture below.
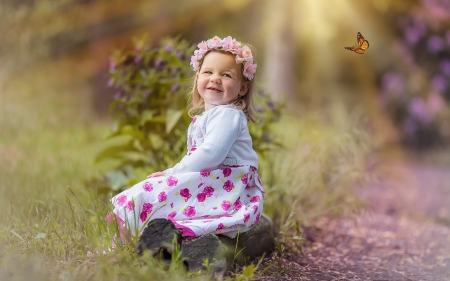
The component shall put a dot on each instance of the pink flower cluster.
(242, 53)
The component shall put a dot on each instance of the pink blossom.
(230, 44)
(194, 62)
(185, 193)
(249, 70)
(172, 215)
(148, 186)
(147, 209)
(220, 226)
(189, 211)
(244, 54)
(255, 209)
(162, 197)
(226, 205)
(237, 204)
(226, 172)
(130, 205)
(205, 173)
(121, 200)
(201, 197)
(171, 181)
(202, 46)
(228, 186)
(244, 178)
(246, 217)
(208, 190)
(214, 42)
(255, 199)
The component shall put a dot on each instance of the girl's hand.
(157, 174)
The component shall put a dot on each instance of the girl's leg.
(125, 235)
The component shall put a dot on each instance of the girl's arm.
(222, 130)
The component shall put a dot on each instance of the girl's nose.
(215, 79)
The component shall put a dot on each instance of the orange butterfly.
(363, 44)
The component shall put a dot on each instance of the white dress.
(226, 199)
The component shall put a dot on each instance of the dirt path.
(405, 236)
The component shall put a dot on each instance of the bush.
(417, 97)
(150, 108)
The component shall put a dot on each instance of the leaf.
(249, 270)
(172, 119)
(41, 235)
(116, 179)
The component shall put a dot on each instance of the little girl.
(215, 188)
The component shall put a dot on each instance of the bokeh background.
(54, 97)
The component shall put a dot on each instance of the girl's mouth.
(213, 89)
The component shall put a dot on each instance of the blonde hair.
(244, 103)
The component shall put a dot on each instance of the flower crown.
(242, 54)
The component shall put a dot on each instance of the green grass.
(51, 219)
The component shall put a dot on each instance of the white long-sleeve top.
(218, 136)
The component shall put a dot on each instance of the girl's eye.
(227, 75)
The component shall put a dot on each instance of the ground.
(404, 235)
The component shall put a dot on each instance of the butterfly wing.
(355, 49)
(362, 43)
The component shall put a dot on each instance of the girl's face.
(220, 80)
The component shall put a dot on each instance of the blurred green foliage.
(150, 107)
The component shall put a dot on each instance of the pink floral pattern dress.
(226, 200)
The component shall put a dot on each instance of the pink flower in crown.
(201, 197)
(189, 211)
(228, 186)
(162, 197)
(255, 199)
(226, 172)
(172, 215)
(209, 191)
(202, 47)
(220, 226)
(255, 209)
(250, 70)
(148, 186)
(244, 179)
(244, 54)
(205, 173)
(121, 200)
(171, 181)
(185, 194)
(225, 205)
(237, 204)
(130, 205)
(231, 45)
(246, 217)
(214, 42)
(194, 62)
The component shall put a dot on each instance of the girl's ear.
(244, 88)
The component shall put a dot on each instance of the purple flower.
(411, 35)
(180, 55)
(410, 126)
(168, 49)
(418, 109)
(445, 66)
(175, 87)
(435, 44)
(259, 109)
(137, 60)
(440, 83)
(110, 82)
(392, 82)
(270, 104)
